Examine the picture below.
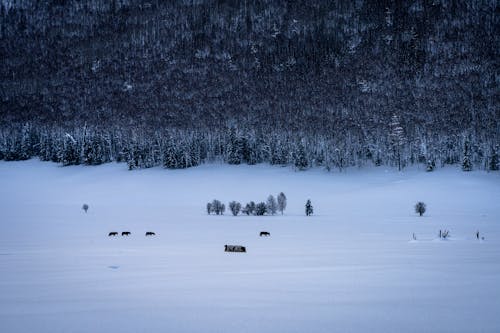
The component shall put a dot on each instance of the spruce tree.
(397, 140)
(466, 161)
(309, 208)
(300, 159)
(493, 160)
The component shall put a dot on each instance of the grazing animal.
(126, 233)
(234, 248)
(113, 233)
(264, 233)
(150, 233)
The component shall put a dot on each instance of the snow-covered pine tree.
(300, 159)
(25, 151)
(466, 161)
(397, 140)
(309, 208)
(281, 202)
(70, 154)
(234, 147)
(170, 154)
(493, 165)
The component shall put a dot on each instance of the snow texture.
(351, 267)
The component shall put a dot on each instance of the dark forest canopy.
(326, 83)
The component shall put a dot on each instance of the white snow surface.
(351, 267)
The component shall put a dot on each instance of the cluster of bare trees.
(270, 207)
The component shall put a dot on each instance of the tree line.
(304, 83)
(176, 149)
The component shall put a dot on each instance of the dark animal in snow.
(126, 233)
(150, 233)
(234, 248)
(264, 233)
(113, 233)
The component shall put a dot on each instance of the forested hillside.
(307, 83)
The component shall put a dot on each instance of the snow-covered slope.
(351, 267)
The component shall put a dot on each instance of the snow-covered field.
(351, 267)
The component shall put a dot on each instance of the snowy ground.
(351, 267)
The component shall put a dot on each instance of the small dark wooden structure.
(126, 233)
(234, 248)
(150, 233)
(264, 233)
(113, 233)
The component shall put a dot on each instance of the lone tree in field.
(235, 207)
(260, 209)
(85, 207)
(281, 202)
(420, 208)
(209, 208)
(309, 207)
(271, 205)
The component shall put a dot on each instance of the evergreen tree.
(170, 160)
(397, 139)
(466, 161)
(494, 160)
(309, 208)
(25, 151)
(300, 159)
(235, 147)
(70, 153)
(209, 208)
(281, 202)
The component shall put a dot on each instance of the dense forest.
(305, 83)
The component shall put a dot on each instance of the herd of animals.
(227, 248)
(128, 233)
